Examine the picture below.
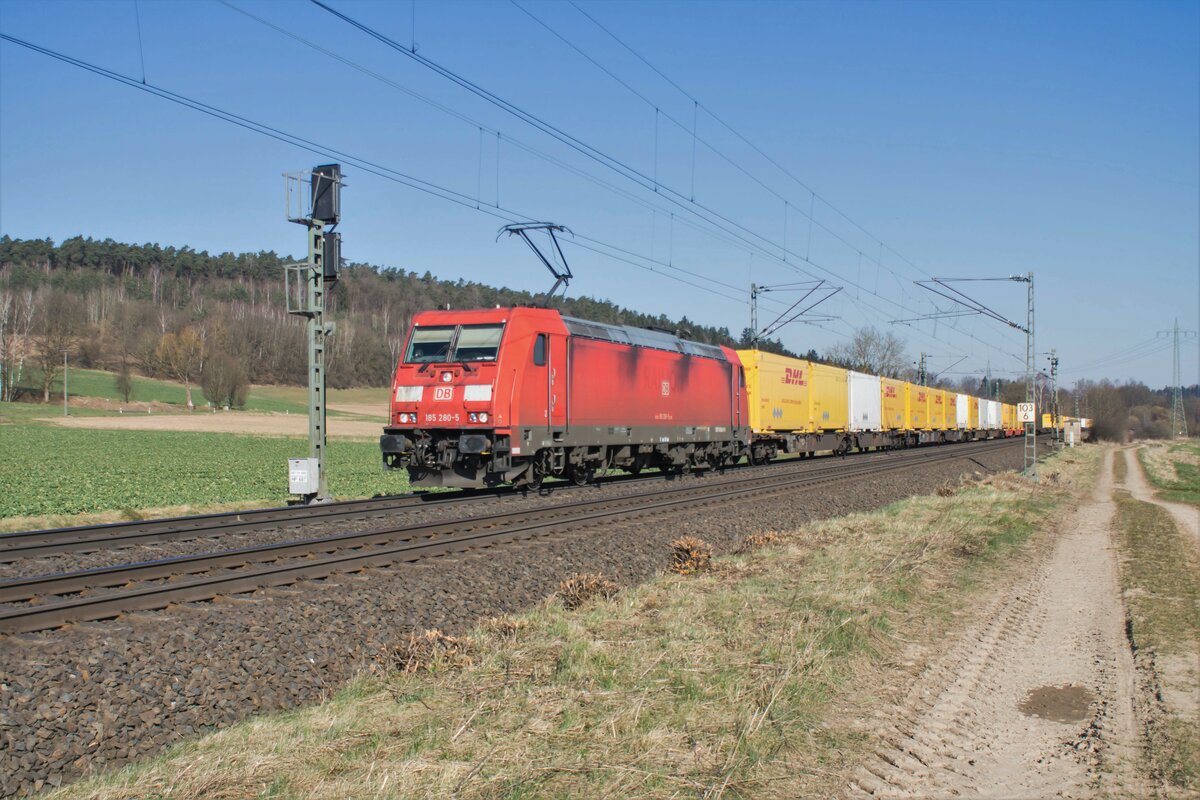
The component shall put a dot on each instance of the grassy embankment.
(1160, 576)
(744, 680)
(1174, 470)
(58, 476)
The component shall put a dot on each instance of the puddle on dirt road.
(1058, 703)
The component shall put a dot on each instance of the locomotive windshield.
(454, 343)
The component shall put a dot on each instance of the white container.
(963, 410)
(982, 422)
(866, 402)
(993, 415)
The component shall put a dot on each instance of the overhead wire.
(366, 165)
(745, 140)
(750, 237)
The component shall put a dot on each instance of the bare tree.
(55, 334)
(182, 356)
(17, 312)
(871, 350)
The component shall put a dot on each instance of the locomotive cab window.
(444, 344)
(539, 350)
(430, 344)
(478, 343)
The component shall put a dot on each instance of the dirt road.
(1186, 517)
(244, 422)
(1037, 698)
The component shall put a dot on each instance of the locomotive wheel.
(583, 475)
(539, 468)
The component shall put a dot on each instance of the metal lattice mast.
(754, 316)
(1178, 417)
(922, 373)
(1030, 427)
(1054, 417)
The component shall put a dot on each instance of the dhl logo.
(889, 391)
(794, 377)
(937, 399)
(921, 397)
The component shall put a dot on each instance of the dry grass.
(758, 540)
(728, 683)
(1160, 575)
(582, 587)
(690, 555)
(12, 524)
(428, 650)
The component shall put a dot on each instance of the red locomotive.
(513, 395)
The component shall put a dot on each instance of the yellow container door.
(895, 405)
(830, 396)
(918, 408)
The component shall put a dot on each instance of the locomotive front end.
(443, 423)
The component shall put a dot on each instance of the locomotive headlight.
(483, 416)
(473, 417)
(447, 377)
(405, 417)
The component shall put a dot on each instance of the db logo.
(443, 393)
(666, 388)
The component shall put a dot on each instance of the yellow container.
(829, 394)
(951, 410)
(973, 416)
(918, 407)
(895, 404)
(792, 395)
(1008, 416)
(937, 409)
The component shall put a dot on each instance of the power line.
(325, 151)
(622, 168)
(744, 139)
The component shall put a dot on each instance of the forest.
(219, 323)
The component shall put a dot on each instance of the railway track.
(113, 536)
(50, 601)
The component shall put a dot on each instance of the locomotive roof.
(641, 337)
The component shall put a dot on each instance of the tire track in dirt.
(1035, 699)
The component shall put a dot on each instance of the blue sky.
(940, 139)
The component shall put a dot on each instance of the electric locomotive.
(516, 395)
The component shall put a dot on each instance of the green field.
(101, 384)
(59, 471)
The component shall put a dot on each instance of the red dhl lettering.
(794, 377)
(889, 391)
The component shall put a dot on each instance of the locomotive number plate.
(434, 418)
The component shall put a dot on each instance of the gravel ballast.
(98, 695)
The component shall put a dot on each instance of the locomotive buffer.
(306, 285)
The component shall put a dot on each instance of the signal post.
(306, 287)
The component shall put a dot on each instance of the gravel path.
(98, 695)
(1036, 698)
